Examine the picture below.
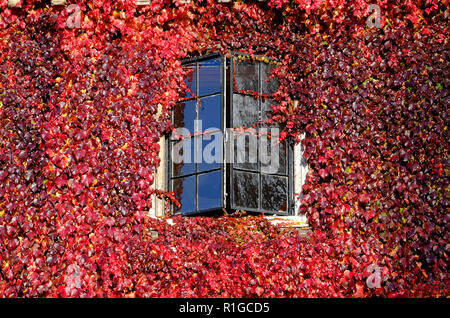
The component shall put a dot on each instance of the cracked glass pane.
(273, 156)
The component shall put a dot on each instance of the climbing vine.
(84, 102)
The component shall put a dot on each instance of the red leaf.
(323, 173)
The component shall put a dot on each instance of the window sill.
(291, 222)
(296, 221)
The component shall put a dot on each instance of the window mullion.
(197, 103)
(258, 151)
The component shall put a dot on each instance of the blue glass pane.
(209, 112)
(211, 148)
(191, 79)
(183, 157)
(209, 76)
(184, 189)
(184, 116)
(209, 190)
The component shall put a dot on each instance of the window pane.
(269, 85)
(273, 156)
(184, 115)
(245, 111)
(246, 75)
(209, 190)
(184, 189)
(246, 189)
(209, 112)
(274, 193)
(209, 76)
(191, 78)
(211, 151)
(245, 150)
(183, 157)
(266, 110)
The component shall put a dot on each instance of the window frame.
(289, 156)
(226, 168)
(169, 141)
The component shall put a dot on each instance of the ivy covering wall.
(80, 91)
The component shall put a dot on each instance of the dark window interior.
(257, 187)
(248, 183)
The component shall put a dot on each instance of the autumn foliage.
(79, 126)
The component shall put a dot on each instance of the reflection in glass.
(209, 112)
(211, 151)
(191, 80)
(184, 189)
(273, 155)
(209, 76)
(209, 190)
(245, 150)
(266, 110)
(246, 75)
(245, 111)
(246, 189)
(274, 193)
(183, 157)
(269, 83)
(184, 115)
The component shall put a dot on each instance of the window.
(223, 154)
(198, 184)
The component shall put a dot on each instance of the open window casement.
(228, 157)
